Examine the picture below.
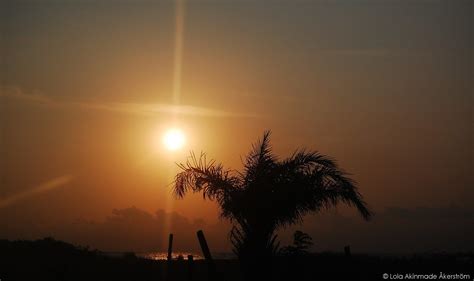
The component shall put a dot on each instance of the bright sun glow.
(174, 139)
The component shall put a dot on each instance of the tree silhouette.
(268, 194)
(301, 243)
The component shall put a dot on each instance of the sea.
(174, 255)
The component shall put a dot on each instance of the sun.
(174, 139)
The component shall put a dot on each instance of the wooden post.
(204, 246)
(170, 247)
(190, 267)
(207, 255)
(169, 258)
(347, 250)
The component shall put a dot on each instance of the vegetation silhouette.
(301, 244)
(268, 194)
(52, 260)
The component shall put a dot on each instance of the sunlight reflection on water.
(164, 255)
(176, 255)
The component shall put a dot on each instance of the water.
(175, 255)
(164, 255)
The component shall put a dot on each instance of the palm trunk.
(256, 252)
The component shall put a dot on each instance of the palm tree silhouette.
(268, 194)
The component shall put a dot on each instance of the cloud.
(377, 52)
(41, 188)
(426, 213)
(146, 109)
(394, 230)
(133, 229)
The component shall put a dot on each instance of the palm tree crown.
(269, 193)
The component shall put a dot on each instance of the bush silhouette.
(301, 243)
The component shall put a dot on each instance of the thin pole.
(170, 246)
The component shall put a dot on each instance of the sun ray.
(178, 51)
(178, 57)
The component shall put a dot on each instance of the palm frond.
(200, 175)
(259, 160)
(338, 187)
(237, 239)
(308, 182)
(307, 160)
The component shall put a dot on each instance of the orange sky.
(383, 87)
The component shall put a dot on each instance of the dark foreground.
(48, 259)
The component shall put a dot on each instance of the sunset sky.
(89, 88)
